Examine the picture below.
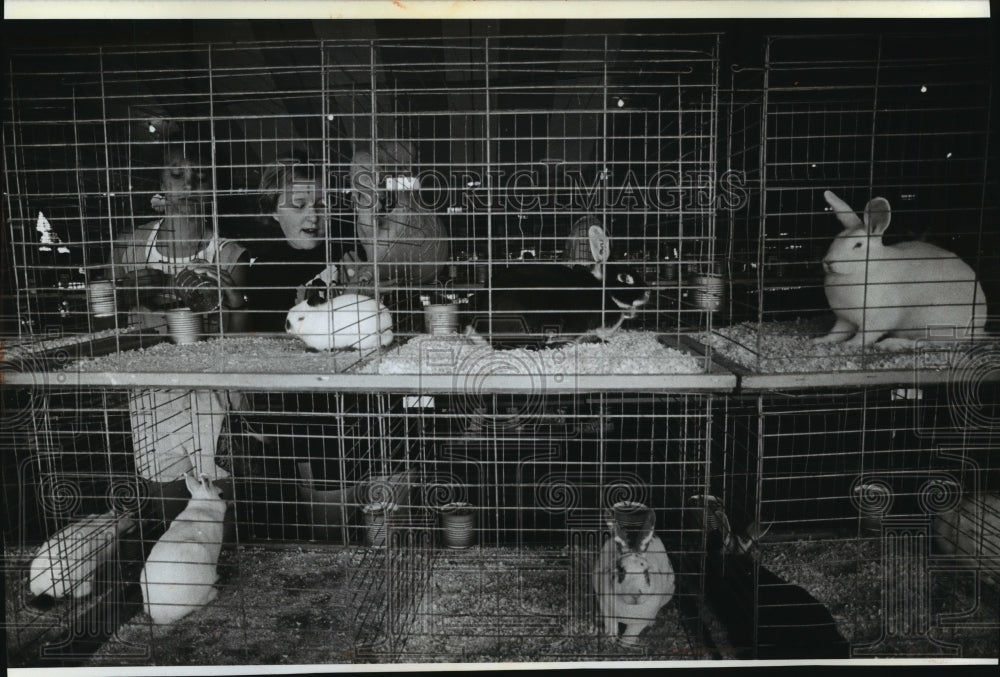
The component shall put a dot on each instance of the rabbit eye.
(857, 245)
(625, 278)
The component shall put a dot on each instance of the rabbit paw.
(473, 337)
(840, 331)
(864, 338)
(630, 637)
(599, 335)
(832, 337)
(896, 344)
(629, 641)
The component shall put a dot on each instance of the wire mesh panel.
(499, 563)
(844, 120)
(238, 180)
(471, 495)
(858, 499)
(96, 491)
(438, 528)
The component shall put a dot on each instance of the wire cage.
(868, 510)
(433, 165)
(347, 501)
(907, 118)
(399, 489)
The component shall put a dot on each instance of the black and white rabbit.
(790, 622)
(633, 579)
(534, 305)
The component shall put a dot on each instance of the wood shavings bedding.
(847, 577)
(251, 354)
(17, 347)
(292, 606)
(524, 605)
(784, 347)
(624, 353)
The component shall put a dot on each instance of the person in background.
(177, 260)
(171, 262)
(292, 253)
(292, 257)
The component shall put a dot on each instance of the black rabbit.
(788, 623)
(534, 305)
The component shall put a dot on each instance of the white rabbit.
(67, 562)
(633, 581)
(348, 321)
(180, 572)
(905, 290)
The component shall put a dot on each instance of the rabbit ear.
(846, 215)
(600, 246)
(877, 215)
(191, 482)
(647, 531)
(609, 519)
(618, 534)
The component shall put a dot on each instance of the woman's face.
(298, 214)
(183, 183)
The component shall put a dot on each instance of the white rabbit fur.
(632, 582)
(181, 570)
(348, 321)
(67, 563)
(905, 290)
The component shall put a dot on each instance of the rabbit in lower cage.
(67, 563)
(787, 623)
(903, 290)
(633, 579)
(181, 569)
